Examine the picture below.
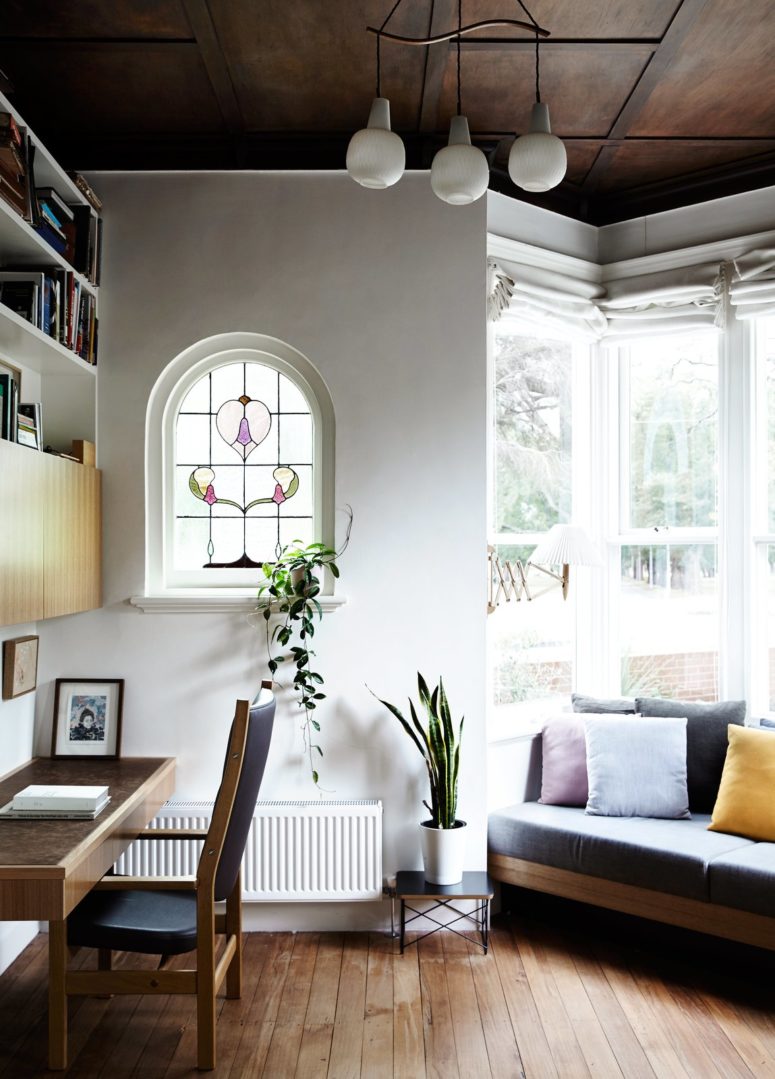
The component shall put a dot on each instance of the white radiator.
(296, 851)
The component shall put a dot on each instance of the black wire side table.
(411, 886)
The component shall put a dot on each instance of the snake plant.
(439, 747)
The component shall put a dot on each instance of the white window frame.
(759, 538)
(506, 716)
(165, 588)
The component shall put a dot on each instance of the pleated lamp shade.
(565, 545)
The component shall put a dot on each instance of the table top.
(56, 844)
(411, 884)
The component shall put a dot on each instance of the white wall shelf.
(21, 246)
(25, 344)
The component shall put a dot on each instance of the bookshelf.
(50, 530)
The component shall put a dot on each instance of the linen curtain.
(751, 283)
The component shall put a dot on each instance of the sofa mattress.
(745, 879)
(670, 856)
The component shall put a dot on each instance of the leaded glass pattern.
(243, 469)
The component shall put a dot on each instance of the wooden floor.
(545, 1002)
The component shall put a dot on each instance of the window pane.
(532, 433)
(672, 408)
(242, 467)
(766, 340)
(669, 621)
(768, 596)
(531, 645)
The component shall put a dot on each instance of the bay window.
(624, 441)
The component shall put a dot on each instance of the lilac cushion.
(564, 762)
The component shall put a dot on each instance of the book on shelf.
(22, 293)
(50, 197)
(86, 190)
(30, 424)
(9, 403)
(60, 796)
(9, 128)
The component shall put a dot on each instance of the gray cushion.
(620, 706)
(666, 855)
(706, 742)
(745, 879)
(769, 723)
(636, 768)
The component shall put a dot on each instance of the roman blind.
(667, 302)
(751, 283)
(548, 300)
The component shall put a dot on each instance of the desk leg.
(57, 997)
(403, 925)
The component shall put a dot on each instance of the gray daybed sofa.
(673, 871)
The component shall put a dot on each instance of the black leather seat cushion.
(157, 923)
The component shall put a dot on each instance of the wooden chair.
(171, 915)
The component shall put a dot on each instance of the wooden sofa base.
(738, 925)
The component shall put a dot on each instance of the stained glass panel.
(244, 469)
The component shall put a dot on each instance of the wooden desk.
(47, 867)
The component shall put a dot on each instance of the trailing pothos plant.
(290, 590)
(439, 746)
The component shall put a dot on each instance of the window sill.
(183, 602)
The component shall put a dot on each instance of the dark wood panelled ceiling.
(660, 102)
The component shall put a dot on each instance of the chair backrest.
(235, 803)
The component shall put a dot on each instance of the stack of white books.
(55, 802)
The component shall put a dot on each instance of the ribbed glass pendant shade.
(538, 161)
(376, 155)
(459, 173)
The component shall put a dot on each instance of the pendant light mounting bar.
(457, 33)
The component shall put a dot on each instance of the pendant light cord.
(538, 58)
(459, 28)
(392, 12)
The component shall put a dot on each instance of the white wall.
(17, 718)
(385, 293)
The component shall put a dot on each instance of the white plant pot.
(443, 852)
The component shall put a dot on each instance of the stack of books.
(29, 425)
(14, 183)
(53, 802)
(53, 217)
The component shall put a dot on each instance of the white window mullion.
(584, 582)
(735, 503)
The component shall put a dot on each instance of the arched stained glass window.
(244, 482)
(240, 438)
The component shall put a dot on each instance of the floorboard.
(553, 999)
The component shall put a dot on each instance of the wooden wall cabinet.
(50, 536)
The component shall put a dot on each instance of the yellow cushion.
(745, 804)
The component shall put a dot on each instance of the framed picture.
(20, 666)
(87, 717)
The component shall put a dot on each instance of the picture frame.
(87, 718)
(20, 666)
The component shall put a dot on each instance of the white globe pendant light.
(459, 172)
(376, 155)
(538, 160)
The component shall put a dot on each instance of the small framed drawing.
(87, 717)
(20, 666)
